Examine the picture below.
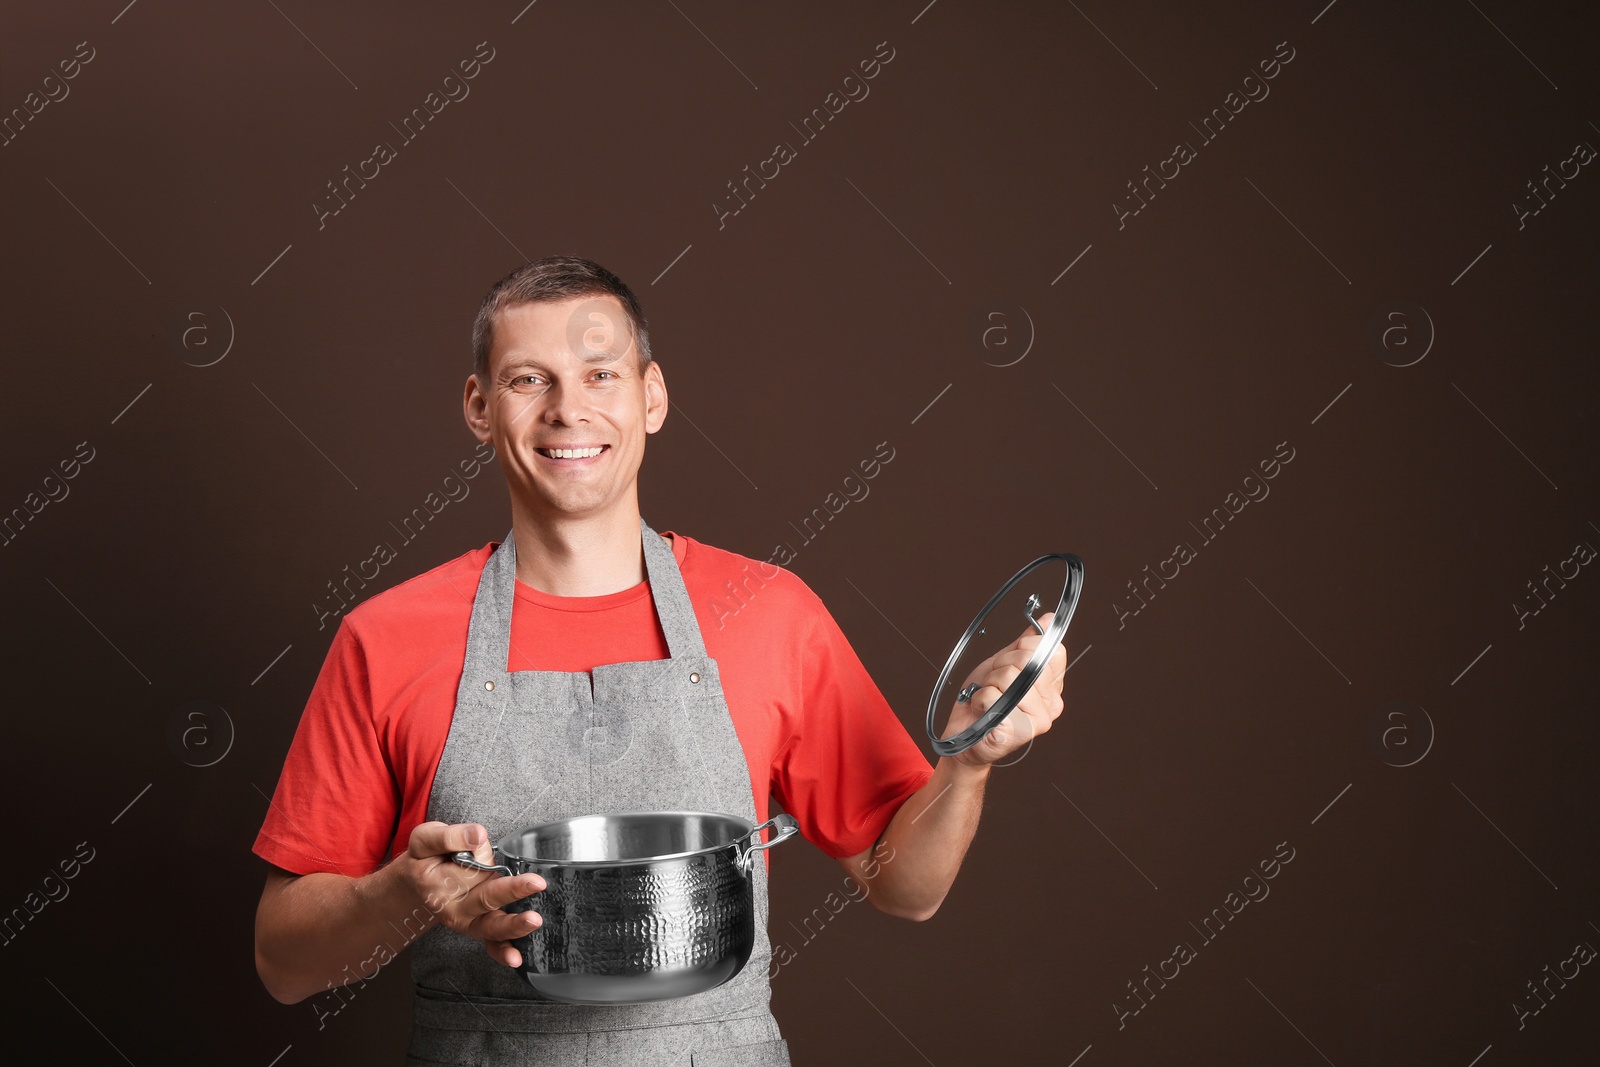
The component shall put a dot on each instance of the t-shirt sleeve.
(337, 801)
(849, 763)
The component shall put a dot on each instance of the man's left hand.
(1032, 715)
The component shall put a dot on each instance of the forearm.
(325, 930)
(927, 840)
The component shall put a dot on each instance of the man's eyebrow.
(521, 363)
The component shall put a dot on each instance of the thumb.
(438, 839)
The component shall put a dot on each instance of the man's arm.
(910, 869)
(321, 930)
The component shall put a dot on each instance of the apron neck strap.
(489, 633)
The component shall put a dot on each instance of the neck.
(578, 555)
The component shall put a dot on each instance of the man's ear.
(655, 397)
(475, 407)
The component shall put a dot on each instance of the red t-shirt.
(816, 731)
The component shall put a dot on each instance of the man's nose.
(565, 404)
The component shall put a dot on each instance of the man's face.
(565, 375)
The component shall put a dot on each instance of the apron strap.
(671, 597)
(489, 632)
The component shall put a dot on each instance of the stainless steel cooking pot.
(637, 906)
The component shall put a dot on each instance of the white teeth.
(571, 453)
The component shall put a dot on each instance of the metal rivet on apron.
(695, 677)
(489, 686)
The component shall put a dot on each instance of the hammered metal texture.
(639, 918)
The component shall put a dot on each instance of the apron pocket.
(761, 1054)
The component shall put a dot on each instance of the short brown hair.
(549, 279)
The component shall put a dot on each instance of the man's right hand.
(466, 900)
(311, 929)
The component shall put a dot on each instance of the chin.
(571, 506)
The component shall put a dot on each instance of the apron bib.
(528, 747)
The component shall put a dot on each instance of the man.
(564, 672)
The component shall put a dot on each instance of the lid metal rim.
(951, 746)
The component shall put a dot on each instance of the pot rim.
(733, 843)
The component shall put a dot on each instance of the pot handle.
(785, 826)
(467, 859)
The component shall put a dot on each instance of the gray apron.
(528, 747)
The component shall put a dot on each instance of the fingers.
(1055, 667)
(479, 913)
(1017, 728)
(502, 926)
(1012, 657)
(1019, 657)
(440, 839)
(1042, 702)
(496, 892)
(992, 686)
(470, 894)
(503, 952)
(1039, 707)
(1008, 665)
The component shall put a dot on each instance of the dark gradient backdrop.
(1364, 240)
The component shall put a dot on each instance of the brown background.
(854, 289)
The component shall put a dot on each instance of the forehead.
(593, 329)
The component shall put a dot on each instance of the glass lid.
(1050, 583)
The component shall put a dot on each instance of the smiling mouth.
(572, 454)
